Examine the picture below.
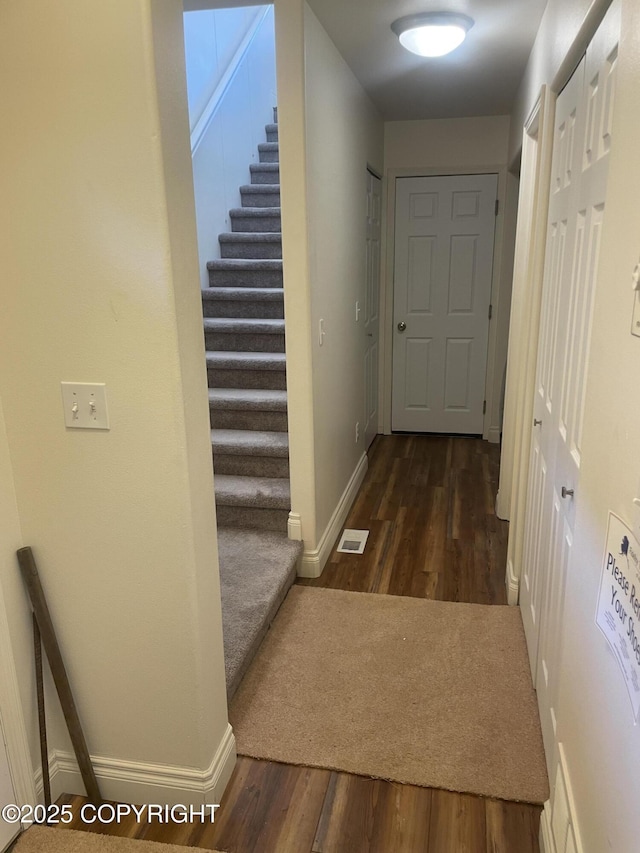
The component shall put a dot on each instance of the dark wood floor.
(429, 504)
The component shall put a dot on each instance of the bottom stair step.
(254, 502)
(257, 569)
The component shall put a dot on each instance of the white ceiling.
(481, 77)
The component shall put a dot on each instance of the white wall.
(211, 37)
(456, 146)
(230, 143)
(101, 284)
(595, 722)
(344, 133)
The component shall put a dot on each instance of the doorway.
(443, 269)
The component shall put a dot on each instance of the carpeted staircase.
(244, 334)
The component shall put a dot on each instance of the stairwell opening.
(230, 55)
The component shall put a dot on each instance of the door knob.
(537, 422)
(566, 493)
(402, 326)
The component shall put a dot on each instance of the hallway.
(428, 502)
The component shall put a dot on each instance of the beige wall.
(100, 283)
(446, 142)
(453, 146)
(595, 722)
(344, 133)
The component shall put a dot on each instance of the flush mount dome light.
(432, 33)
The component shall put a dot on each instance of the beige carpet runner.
(429, 693)
(41, 839)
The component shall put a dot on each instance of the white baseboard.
(545, 839)
(512, 584)
(313, 561)
(294, 527)
(493, 435)
(139, 782)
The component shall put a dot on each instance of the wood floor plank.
(512, 826)
(373, 816)
(458, 824)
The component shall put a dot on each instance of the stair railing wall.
(225, 138)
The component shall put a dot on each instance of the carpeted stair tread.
(268, 152)
(250, 237)
(242, 294)
(251, 244)
(272, 132)
(246, 360)
(246, 264)
(258, 189)
(238, 399)
(244, 325)
(240, 442)
(256, 492)
(257, 568)
(265, 173)
(255, 212)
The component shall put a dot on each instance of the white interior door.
(371, 307)
(444, 233)
(8, 831)
(582, 143)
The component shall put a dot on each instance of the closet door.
(582, 143)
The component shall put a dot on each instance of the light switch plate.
(85, 405)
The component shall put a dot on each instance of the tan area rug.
(41, 839)
(423, 692)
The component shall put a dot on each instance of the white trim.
(545, 839)
(12, 719)
(219, 92)
(512, 583)
(294, 526)
(493, 434)
(313, 562)
(142, 782)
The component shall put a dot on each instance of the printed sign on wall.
(618, 614)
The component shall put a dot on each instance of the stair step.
(240, 442)
(265, 173)
(253, 492)
(245, 272)
(238, 399)
(255, 502)
(251, 592)
(260, 195)
(243, 335)
(244, 302)
(268, 152)
(250, 453)
(253, 219)
(263, 370)
(248, 409)
(246, 245)
(272, 132)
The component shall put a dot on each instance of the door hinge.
(484, 408)
(490, 311)
(497, 206)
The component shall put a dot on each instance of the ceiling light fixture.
(432, 33)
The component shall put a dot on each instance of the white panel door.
(371, 308)
(563, 197)
(577, 206)
(444, 232)
(8, 831)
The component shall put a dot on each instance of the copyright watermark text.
(109, 813)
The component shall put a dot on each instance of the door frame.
(537, 150)
(500, 291)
